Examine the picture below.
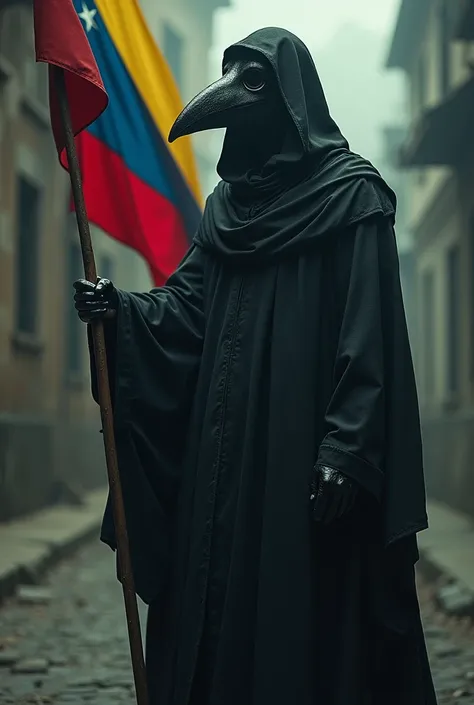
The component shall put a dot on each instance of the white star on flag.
(88, 17)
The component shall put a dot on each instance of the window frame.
(428, 305)
(28, 338)
(453, 320)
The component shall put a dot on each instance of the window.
(444, 46)
(34, 74)
(36, 81)
(74, 327)
(472, 291)
(419, 84)
(27, 257)
(428, 342)
(11, 34)
(17, 46)
(453, 332)
(173, 51)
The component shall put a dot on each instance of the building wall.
(392, 139)
(435, 190)
(424, 92)
(49, 426)
(440, 216)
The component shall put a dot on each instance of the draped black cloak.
(279, 343)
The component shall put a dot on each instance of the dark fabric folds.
(321, 205)
(261, 374)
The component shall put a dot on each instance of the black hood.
(312, 132)
(300, 88)
(312, 186)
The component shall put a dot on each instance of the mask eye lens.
(254, 79)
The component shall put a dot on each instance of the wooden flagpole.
(123, 548)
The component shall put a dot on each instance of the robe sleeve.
(372, 427)
(355, 419)
(172, 315)
(154, 352)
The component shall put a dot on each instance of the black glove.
(95, 301)
(332, 494)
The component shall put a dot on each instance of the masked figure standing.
(266, 416)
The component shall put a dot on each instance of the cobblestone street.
(66, 643)
(73, 648)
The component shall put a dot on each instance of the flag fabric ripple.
(60, 41)
(139, 189)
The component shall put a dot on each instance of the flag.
(139, 189)
(60, 41)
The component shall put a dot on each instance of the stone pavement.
(32, 544)
(451, 650)
(448, 545)
(66, 642)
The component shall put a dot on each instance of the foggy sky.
(315, 21)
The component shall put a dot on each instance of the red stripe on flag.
(134, 213)
(60, 40)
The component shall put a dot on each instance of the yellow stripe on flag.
(152, 77)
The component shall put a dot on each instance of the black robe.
(279, 343)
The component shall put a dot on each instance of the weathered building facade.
(393, 137)
(433, 43)
(49, 426)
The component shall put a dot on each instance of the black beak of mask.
(246, 95)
